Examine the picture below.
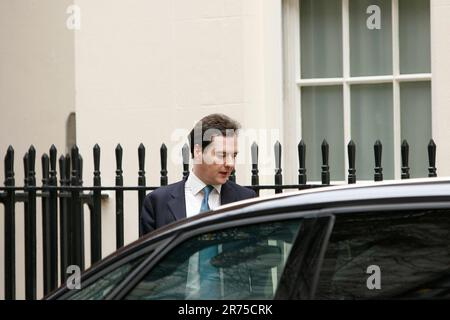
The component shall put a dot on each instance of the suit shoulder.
(246, 192)
(165, 190)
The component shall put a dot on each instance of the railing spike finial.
(301, 148)
(254, 151)
(31, 166)
(9, 166)
(119, 154)
(96, 153)
(53, 154)
(378, 150)
(185, 154)
(141, 157)
(432, 159)
(325, 162)
(163, 156)
(278, 170)
(405, 160)
(351, 149)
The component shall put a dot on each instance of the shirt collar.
(196, 185)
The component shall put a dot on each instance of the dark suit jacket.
(167, 204)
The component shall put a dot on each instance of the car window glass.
(235, 263)
(386, 254)
(102, 286)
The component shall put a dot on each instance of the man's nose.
(229, 161)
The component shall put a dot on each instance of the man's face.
(217, 161)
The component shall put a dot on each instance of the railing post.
(96, 215)
(278, 170)
(30, 230)
(76, 216)
(141, 183)
(233, 176)
(432, 159)
(45, 222)
(378, 149)
(302, 178)
(405, 159)
(119, 198)
(351, 148)
(185, 155)
(163, 155)
(63, 218)
(255, 170)
(53, 223)
(10, 227)
(325, 163)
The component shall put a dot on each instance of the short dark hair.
(214, 123)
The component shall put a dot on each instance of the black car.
(374, 241)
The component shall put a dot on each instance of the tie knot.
(207, 190)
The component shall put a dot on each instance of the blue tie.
(205, 206)
(209, 275)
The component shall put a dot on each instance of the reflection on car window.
(236, 263)
(102, 286)
(411, 249)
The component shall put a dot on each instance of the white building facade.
(144, 71)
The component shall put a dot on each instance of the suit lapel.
(177, 203)
(226, 194)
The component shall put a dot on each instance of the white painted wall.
(148, 70)
(36, 97)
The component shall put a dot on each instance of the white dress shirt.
(194, 195)
(193, 191)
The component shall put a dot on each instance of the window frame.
(293, 82)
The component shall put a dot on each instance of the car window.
(386, 255)
(235, 263)
(102, 286)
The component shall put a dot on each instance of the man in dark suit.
(213, 146)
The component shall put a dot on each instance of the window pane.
(411, 249)
(370, 37)
(372, 119)
(247, 265)
(322, 118)
(321, 38)
(415, 56)
(415, 100)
